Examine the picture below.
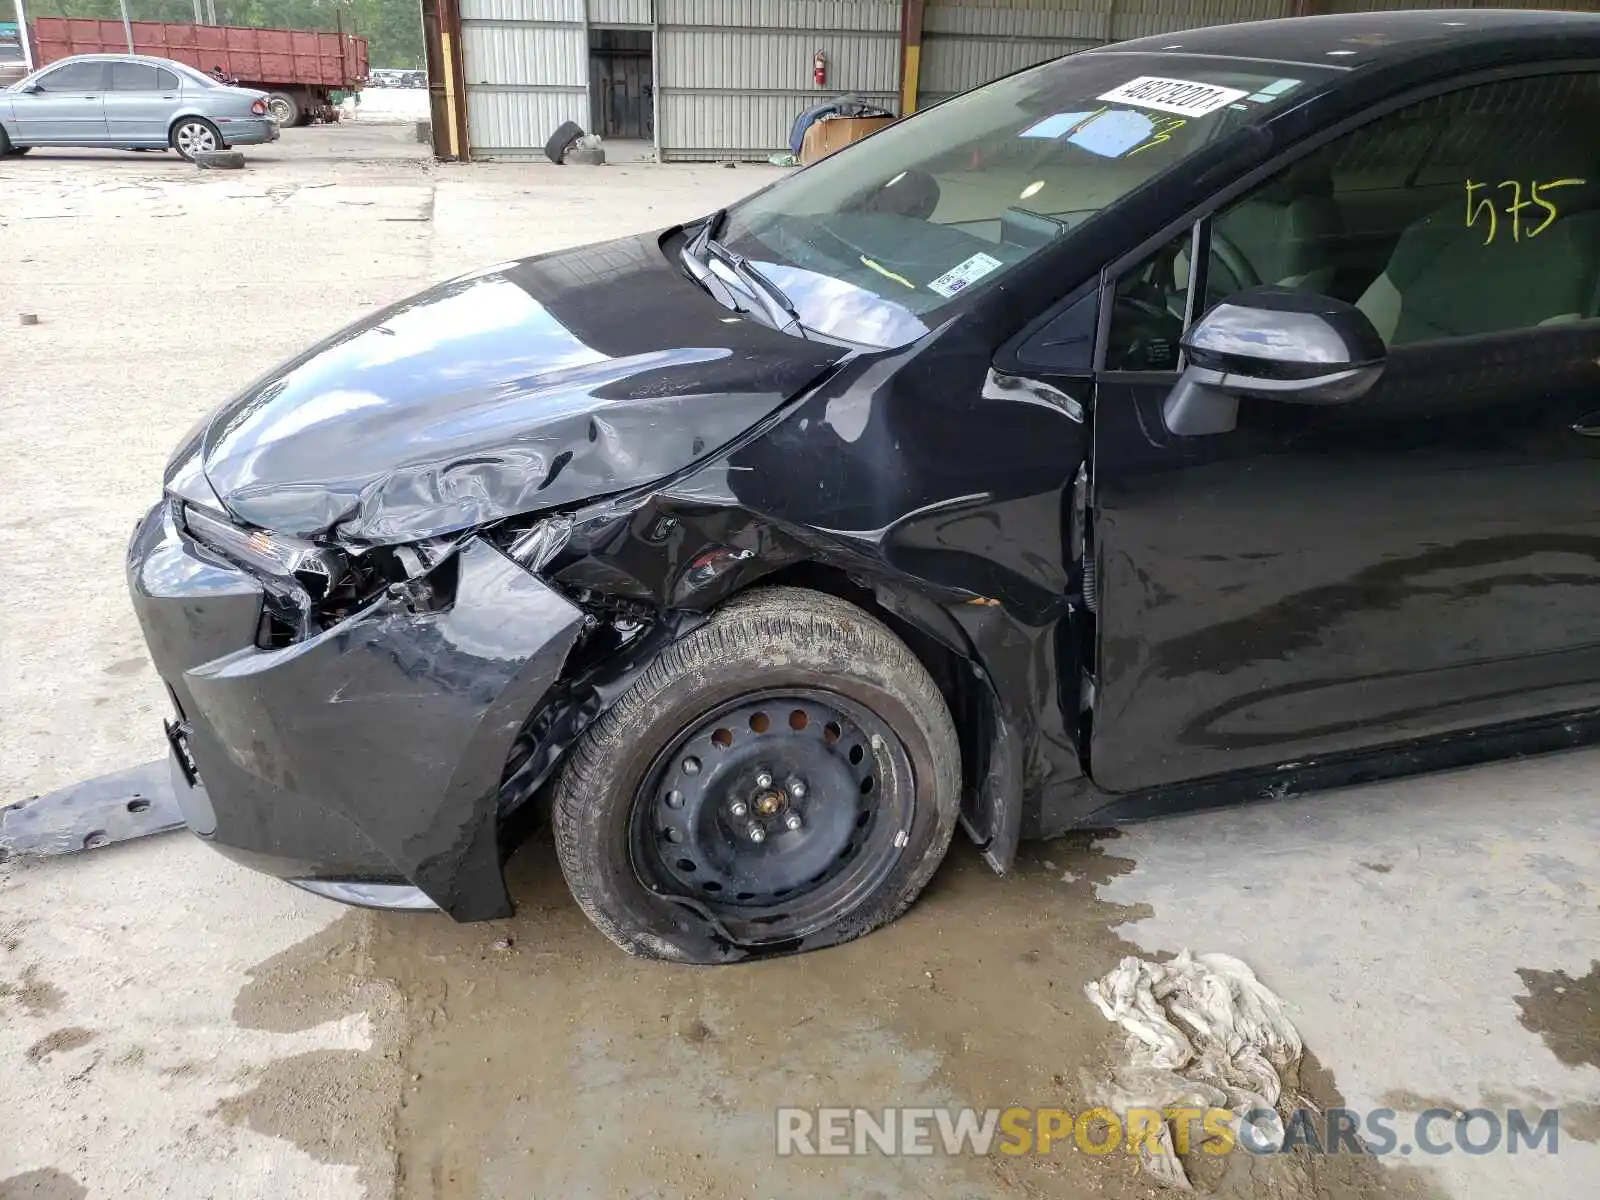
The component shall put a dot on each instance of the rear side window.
(75, 77)
(166, 80)
(133, 77)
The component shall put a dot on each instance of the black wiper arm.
(780, 309)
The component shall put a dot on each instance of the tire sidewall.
(172, 137)
(295, 110)
(602, 858)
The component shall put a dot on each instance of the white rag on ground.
(1203, 1032)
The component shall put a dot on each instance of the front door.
(1426, 559)
(69, 108)
(140, 103)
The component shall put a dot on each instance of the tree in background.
(392, 27)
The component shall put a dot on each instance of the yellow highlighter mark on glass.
(886, 273)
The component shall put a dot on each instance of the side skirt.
(1523, 739)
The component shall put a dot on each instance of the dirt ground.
(172, 1025)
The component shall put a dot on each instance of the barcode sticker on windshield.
(1181, 96)
(964, 275)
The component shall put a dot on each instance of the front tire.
(196, 135)
(790, 711)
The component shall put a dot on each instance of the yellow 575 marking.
(1482, 207)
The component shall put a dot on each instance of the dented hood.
(523, 387)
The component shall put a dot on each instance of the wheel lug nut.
(757, 833)
(739, 808)
(797, 789)
(764, 780)
(792, 821)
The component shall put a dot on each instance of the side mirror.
(1272, 343)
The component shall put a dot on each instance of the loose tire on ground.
(219, 160)
(195, 135)
(284, 109)
(796, 653)
(561, 141)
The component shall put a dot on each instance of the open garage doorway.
(622, 99)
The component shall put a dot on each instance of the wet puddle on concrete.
(1565, 1012)
(529, 1057)
(44, 1184)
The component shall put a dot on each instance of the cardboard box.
(835, 133)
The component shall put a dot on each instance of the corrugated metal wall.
(732, 75)
(1349, 6)
(527, 70)
(968, 42)
(620, 12)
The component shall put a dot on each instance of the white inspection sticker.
(964, 275)
(1181, 96)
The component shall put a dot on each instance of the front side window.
(1471, 213)
(74, 77)
(872, 244)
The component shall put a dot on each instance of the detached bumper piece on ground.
(99, 812)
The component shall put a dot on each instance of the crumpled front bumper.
(371, 753)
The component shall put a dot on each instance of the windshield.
(872, 243)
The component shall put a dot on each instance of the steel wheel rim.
(195, 138)
(279, 110)
(851, 814)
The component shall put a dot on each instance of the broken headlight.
(536, 545)
(317, 570)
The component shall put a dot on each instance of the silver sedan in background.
(130, 102)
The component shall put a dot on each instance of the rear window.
(190, 75)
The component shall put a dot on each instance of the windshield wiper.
(775, 302)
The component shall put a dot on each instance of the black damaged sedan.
(1187, 420)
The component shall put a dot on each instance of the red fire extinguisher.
(819, 68)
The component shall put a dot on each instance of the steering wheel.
(1148, 337)
(1234, 261)
(912, 193)
(1144, 307)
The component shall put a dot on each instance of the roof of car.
(1352, 40)
(111, 58)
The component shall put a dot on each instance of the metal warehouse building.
(724, 79)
